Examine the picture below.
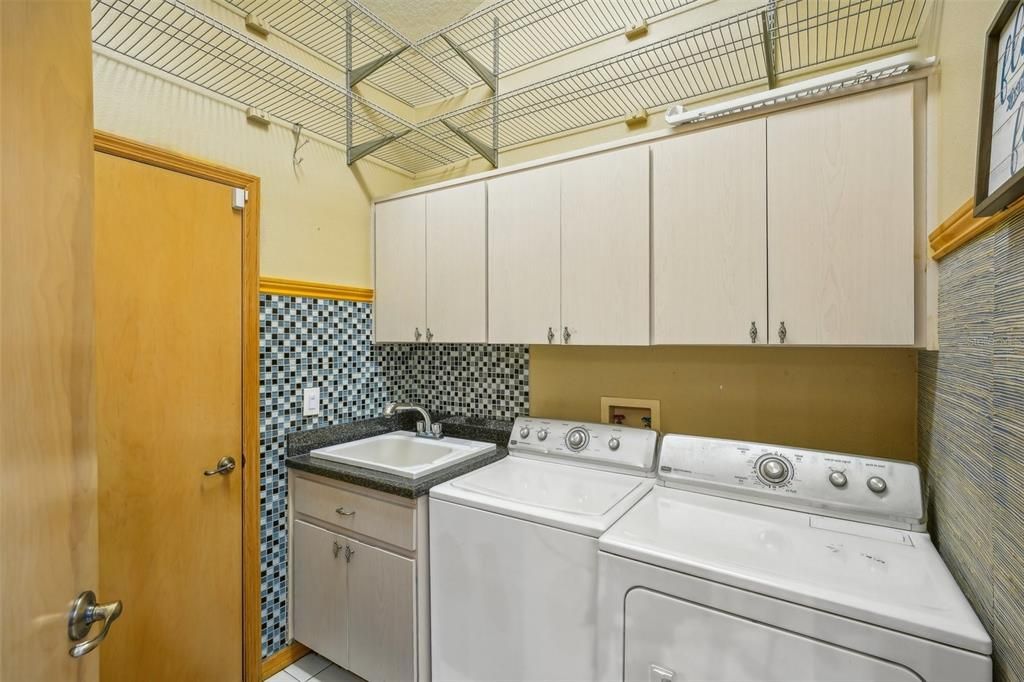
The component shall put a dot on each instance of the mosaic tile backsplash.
(971, 433)
(307, 342)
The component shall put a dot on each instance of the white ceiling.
(417, 18)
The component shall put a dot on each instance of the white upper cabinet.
(400, 309)
(709, 224)
(841, 220)
(457, 264)
(524, 263)
(606, 248)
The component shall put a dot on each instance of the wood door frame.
(115, 145)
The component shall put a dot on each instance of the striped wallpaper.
(971, 424)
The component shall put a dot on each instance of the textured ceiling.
(417, 18)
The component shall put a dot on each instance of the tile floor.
(314, 668)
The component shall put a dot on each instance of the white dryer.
(513, 551)
(762, 563)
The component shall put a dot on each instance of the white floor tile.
(280, 677)
(335, 674)
(307, 666)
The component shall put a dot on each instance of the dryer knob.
(524, 432)
(877, 484)
(542, 434)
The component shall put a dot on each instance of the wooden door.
(841, 220)
(606, 274)
(710, 263)
(524, 264)
(320, 609)
(169, 407)
(47, 455)
(382, 628)
(457, 264)
(400, 275)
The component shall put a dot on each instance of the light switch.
(310, 401)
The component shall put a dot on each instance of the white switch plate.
(310, 401)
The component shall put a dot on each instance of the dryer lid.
(883, 576)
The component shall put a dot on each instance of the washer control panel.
(602, 446)
(880, 491)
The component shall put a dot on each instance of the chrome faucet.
(424, 427)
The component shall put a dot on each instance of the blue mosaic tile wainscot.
(306, 342)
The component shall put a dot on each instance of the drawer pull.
(345, 512)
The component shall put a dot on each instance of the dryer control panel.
(602, 446)
(880, 491)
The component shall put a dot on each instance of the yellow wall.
(862, 401)
(315, 222)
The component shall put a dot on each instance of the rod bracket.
(359, 73)
(485, 74)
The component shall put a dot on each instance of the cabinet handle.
(782, 332)
(551, 335)
(341, 511)
(337, 548)
(753, 332)
(348, 553)
(417, 335)
(566, 335)
(430, 335)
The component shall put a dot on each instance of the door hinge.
(238, 198)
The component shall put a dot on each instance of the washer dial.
(774, 470)
(577, 438)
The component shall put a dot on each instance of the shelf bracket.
(358, 151)
(486, 75)
(361, 72)
(489, 153)
(767, 29)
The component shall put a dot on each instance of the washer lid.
(883, 576)
(569, 497)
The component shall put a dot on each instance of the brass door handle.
(84, 612)
(225, 465)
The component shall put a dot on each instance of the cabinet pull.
(753, 332)
(341, 511)
(551, 335)
(430, 335)
(348, 553)
(566, 335)
(417, 335)
(782, 332)
(337, 548)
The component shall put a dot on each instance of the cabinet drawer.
(392, 523)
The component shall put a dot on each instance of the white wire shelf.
(184, 43)
(320, 26)
(739, 51)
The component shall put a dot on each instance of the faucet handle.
(435, 430)
(420, 426)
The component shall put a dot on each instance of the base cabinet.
(356, 600)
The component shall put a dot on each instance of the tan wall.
(862, 401)
(314, 221)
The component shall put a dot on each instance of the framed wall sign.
(999, 175)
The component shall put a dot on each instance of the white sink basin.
(403, 454)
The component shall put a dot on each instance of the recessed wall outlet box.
(257, 116)
(257, 24)
(310, 401)
(636, 119)
(637, 30)
(640, 413)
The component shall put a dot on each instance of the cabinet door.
(524, 257)
(710, 279)
(606, 282)
(841, 220)
(457, 264)
(382, 599)
(400, 308)
(320, 612)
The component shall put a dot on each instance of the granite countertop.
(471, 428)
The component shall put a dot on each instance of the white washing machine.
(756, 562)
(513, 551)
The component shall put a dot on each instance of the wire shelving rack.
(751, 48)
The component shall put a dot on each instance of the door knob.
(225, 465)
(84, 612)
